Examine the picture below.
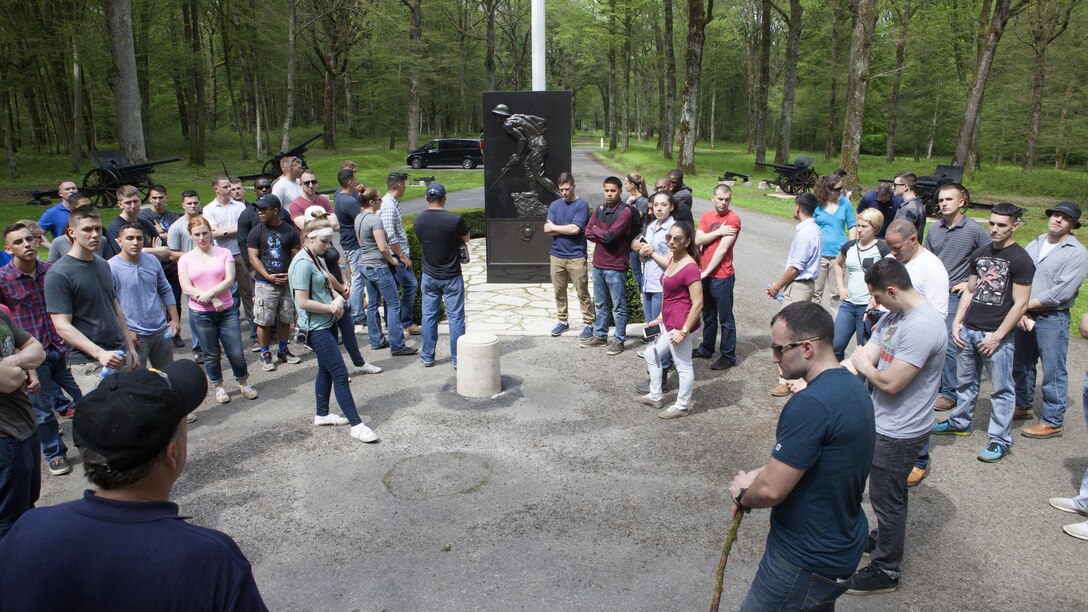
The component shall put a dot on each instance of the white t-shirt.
(221, 216)
(929, 278)
(286, 191)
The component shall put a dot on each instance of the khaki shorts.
(88, 375)
(272, 302)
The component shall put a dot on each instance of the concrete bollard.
(478, 373)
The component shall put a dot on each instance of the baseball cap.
(1068, 209)
(131, 416)
(435, 191)
(268, 201)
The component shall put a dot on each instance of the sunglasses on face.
(309, 182)
(778, 349)
(262, 188)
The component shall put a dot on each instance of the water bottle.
(779, 296)
(169, 333)
(107, 371)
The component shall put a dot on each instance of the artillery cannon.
(111, 171)
(799, 177)
(271, 168)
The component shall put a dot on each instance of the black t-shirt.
(274, 246)
(16, 418)
(249, 220)
(682, 197)
(346, 208)
(997, 272)
(439, 233)
(111, 247)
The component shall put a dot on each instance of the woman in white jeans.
(681, 307)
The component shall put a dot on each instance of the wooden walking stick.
(729, 539)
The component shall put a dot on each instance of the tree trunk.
(1035, 116)
(292, 61)
(837, 20)
(713, 110)
(1061, 151)
(197, 102)
(415, 33)
(764, 81)
(660, 63)
(349, 106)
(933, 127)
(626, 121)
(490, 7)
(329, 59)
(900, 59)
(966, 140)
(698, 18)
(9, 147)
(76, 146)
(175, 76)
(668, 129)
(793, 44)
(122, 80)
(239, 121)
(860, 49)
(143, 73)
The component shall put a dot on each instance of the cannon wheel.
(271, 168)
(803, 181)
(101, 185)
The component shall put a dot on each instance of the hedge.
(477, 228)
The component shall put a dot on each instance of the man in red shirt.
(310, 197)
(717, 234)
(608, 228)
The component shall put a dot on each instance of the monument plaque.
(526, 142)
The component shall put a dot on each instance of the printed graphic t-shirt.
(997, 271)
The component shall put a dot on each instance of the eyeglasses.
(899, 184)
(778, 349)
(262, 188)
(673, 238)
(309, 182)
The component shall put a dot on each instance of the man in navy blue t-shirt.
(815, 477)
(132, 549)
(566, 224)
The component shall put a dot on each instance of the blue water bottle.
(779, 296)
(107, 371)
(169, 333)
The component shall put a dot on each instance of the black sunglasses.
(778, 349)
(309, 182)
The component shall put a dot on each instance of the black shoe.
(870, 544)
(871, 579)
(384, 344)
(198, 357)
(178, 342)
(644, 387)
(408, 350)
(701, 354)
(722, 364)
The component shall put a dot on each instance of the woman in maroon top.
(680, 312)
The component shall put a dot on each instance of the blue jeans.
(63, 382)
(718, 312)
(214, 328)
(636, 270)
(345, 327)
(951, 359)
(409, 285)
(849, 321)
(359, 314)
(48, 427)
(651, 306)
(20, 479)
(1081, 500)
(452, 293)
(192, 333)
(332, 375)
(780, 585)
(609, 289)
(1048, 342)
(1002, 400)
(380, 283)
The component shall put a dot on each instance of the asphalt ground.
(563, 493)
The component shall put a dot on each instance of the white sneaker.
(1066, 504)
(1077, 530)
(369, 368)
(360, 329)
(329, 419)
(364, 433)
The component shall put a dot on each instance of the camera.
(873, 315)
(302, 337)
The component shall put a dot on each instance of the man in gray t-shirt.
(902, 363)
(376, 261)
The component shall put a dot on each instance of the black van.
(464, 152)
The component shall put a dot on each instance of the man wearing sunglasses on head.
(814, 479)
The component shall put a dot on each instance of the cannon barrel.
(300, 149)
(147, 164)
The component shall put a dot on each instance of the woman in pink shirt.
(681, 309)
(207, 275)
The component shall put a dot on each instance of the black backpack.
(634, 228)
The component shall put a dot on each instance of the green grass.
(374, 161)
(1035, 191)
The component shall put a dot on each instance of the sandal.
(249, 392)
(222, 396)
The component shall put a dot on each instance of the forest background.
(869, 85)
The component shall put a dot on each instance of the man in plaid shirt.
(398, 242)
(22, 290)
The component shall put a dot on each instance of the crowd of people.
(90, 334)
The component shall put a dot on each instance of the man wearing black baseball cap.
(441, 235)
(132, 549)
(1061, 264)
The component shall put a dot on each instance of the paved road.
(563, 494)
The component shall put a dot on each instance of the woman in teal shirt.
(320, 303)
(835, 219)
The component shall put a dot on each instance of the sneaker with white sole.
(369, 368)
(329, 419)
(672, 412)
(1066, 504)
(287, 356)
(1077, 530)
(267, 364)
(59, 466)
(364, 433)
(249, 392)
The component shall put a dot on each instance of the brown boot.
(1022, 414)
(780, 390)
(917, 475)
(1041, 431)
(943, 403)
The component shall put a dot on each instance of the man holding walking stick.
(815, 477)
